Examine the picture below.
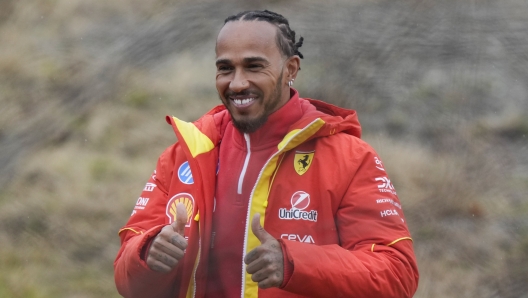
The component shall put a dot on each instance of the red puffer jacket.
(323, 192)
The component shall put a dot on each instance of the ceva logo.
(297, 237)
(300, 200)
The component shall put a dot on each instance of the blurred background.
(441, 89)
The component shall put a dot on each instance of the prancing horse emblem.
(303, 161)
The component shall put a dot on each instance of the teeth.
(243, 101)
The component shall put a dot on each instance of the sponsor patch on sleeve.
(188, 202)
(149, 186)
(185, 174)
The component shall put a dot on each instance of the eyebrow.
(255, 59)
(223, 61)
(246, 60)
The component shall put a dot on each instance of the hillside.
(441, 89)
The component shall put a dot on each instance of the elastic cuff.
(288, 266)
(145, 249)
(145, 243)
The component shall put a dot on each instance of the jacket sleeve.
(375, 256)
(133, 277)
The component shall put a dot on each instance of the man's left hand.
(265, 263)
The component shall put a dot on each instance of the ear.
(293, 64)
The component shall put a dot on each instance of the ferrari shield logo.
(302, 161)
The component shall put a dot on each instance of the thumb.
(258, 230)
(181, 219)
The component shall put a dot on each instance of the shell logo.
(187, 200)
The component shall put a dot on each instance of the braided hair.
(286, 38)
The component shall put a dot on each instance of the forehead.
(239, 39)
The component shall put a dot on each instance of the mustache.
(241, 93)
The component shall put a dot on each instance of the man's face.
(250, 69)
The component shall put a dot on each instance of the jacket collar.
(295, 114)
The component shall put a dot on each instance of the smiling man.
(253, 75)
(267, 195)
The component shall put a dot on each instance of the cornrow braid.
(286, 38)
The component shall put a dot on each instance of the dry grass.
(84, 89)
(470, 234)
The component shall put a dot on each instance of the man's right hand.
(168, 246)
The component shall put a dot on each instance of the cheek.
(222, 83)
(262, 82)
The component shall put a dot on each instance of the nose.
(239, 82)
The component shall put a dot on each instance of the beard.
(249, 125)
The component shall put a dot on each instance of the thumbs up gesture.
(168, 246)
(265, 262)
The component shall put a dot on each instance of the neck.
(278, 122)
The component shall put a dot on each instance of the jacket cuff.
(145, 242)
(288, 266)
(146, 246)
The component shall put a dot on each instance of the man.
(268, 195)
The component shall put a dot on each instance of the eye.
(224, 68)
(254, 66)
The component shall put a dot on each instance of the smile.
(242, 102)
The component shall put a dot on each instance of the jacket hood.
(336, 119)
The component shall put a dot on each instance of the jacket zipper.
(281, 150)
(244, 169)
(197, 264)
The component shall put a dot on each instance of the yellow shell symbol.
(187, 202)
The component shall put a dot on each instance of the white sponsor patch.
(141, 203)
(299, 201)
(379, 164)
(390, 201)
(389, 212)
(297, 237)
(149, 186)
(386, 185)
